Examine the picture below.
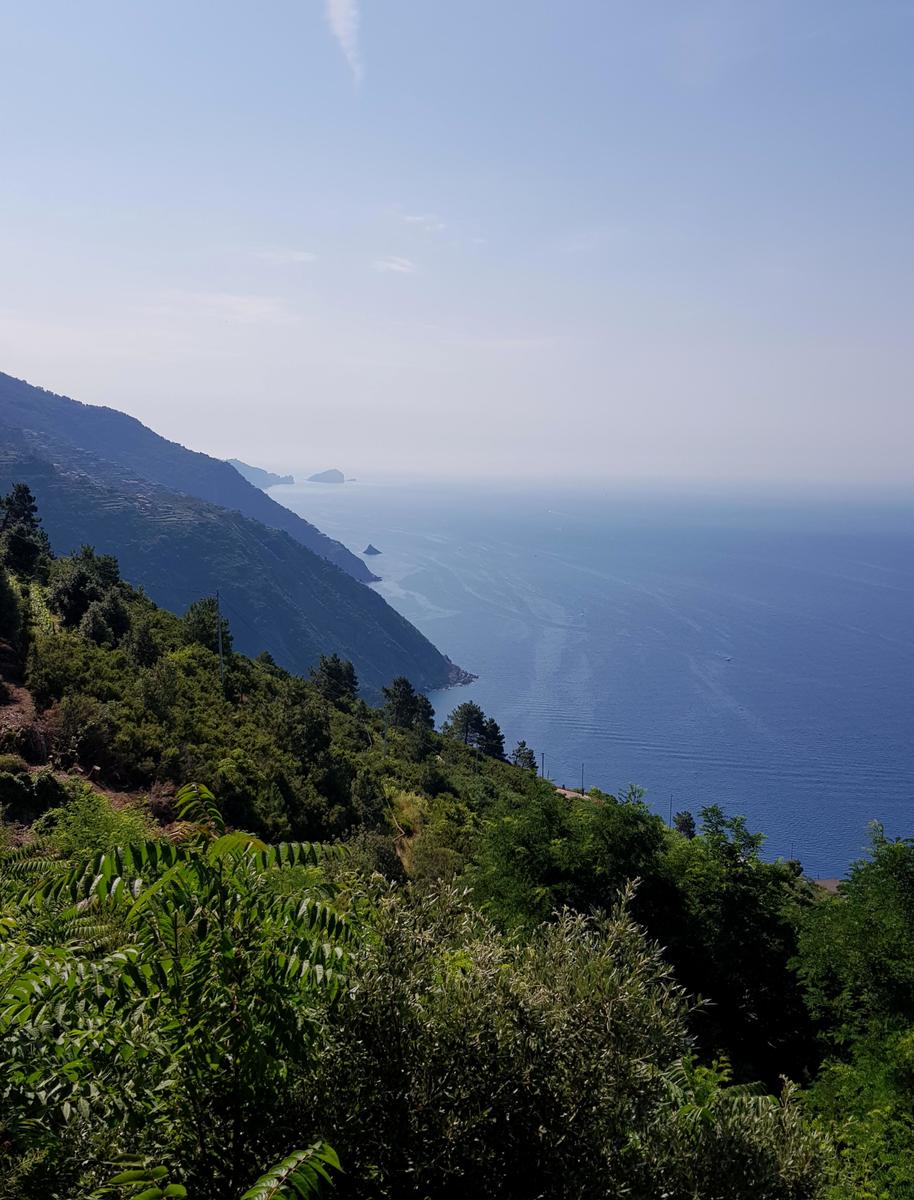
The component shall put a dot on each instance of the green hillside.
(388, 956)
(283, 598)
(122, 441)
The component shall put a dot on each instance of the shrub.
(88, 823)
(48, 790)
(25, 797)
(463, 1062)
(116, 614)
(94, 627)
(82, 731)
(13, 764)
(142, 645)
(16, 797)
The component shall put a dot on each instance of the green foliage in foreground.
(726, 918)
(465, 1062)
(469, 998)
(159, 997)
(856, 961)
(207, 1003)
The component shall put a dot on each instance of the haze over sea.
(755, 655)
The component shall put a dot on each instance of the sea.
(748, 652)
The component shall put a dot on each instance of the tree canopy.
(470, 725)
(335, 679)
(405, 708)
(24, 547)
(382, 948)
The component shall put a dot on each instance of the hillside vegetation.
(284, 597)
(251, 924)
(116, 438)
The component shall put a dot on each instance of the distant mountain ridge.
(279, 595)
(123, 439)
(258, 476)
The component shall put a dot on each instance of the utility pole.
(219, 641)
(543, 764)
(582, 779)
(671, 810)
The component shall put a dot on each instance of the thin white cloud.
(431, 224)
(232, 307)
(393, 262)
(287, 256)
(343, 18)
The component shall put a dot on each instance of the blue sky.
(664, 241)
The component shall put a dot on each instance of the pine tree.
(492, 740)
(685, 823)
(335, 679)
(405, 708)
(425, 714)
(201, 626)
(523, 756)
(466, 723)
(470, 725)
(400, 703)
(19, 508)
(142, 645)
(24, 546)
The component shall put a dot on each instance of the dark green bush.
(48, 790)
(13, 764)
(94, 627)
(82, 732)
(16, 798)
(24, 797)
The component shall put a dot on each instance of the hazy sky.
(657, 240)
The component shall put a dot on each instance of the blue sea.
(757, 655)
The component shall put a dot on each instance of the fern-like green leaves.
(139, 1179)
(176, 978)
(297, 1177)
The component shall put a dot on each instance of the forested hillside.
(250, 924)
(120, 440)
(285, 598)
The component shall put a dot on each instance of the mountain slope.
(257, 475)
(121, 439)
(279, 596)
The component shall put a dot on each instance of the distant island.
(370, 549)
(258, 476)
(331, 476)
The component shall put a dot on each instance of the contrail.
(343, 19)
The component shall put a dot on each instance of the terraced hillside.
(278, 595)
(122, 440)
